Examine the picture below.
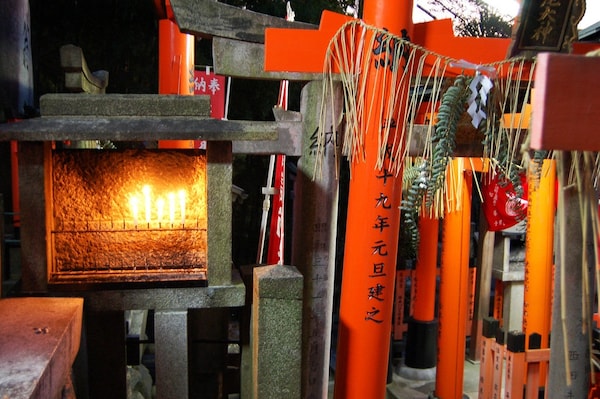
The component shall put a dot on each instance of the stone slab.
(83, 104)
(40, 339)
(143, 129)
(166, 298)
(207, 18)
(247, 60)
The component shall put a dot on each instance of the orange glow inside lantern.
(128, 216)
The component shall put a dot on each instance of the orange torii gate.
(369, 261)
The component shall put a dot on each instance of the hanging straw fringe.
(399, 90)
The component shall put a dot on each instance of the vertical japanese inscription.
(377, 292)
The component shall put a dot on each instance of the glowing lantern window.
(130, 215)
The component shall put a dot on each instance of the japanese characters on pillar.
(382, 264)
(367, 293)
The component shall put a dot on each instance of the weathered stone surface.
(166, 298)
(212, 18)
(247, 60)
(136, 118)
(220, 171)
(139, 105)
(40, 339)
(171, 336)
(278, 282)
(16, 64)
(35, 226)
(78, 77)
(143, 129)
(314, 240)
(289, 144)
(277, 332)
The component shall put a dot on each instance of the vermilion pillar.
(539, 251)
(454, 289)
(175, 68)
(422, 327)
(367, 294)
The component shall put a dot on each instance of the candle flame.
(147, 203)
(182, 205)
(171, 198)
(175, 200)
(160, 207)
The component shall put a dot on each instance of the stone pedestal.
(277, 332)
(509, 267)
(40, 339)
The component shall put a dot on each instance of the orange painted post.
(454, 287)
(515, 365)
(367, 291)
(421, 345)
(486, 358)
(499, 354)
(426, 270)
(535, 359)
(175, 68)
(539, 252)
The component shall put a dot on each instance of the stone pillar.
(314, 240)
(276, 332)
(16, 67)
(569, 372)
(171, 342)
(509, 267)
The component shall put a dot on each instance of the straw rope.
(411, 75)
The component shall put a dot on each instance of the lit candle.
(134, 209)
(171, 198)
(160, 207)
(147, 205)
(182, 205)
